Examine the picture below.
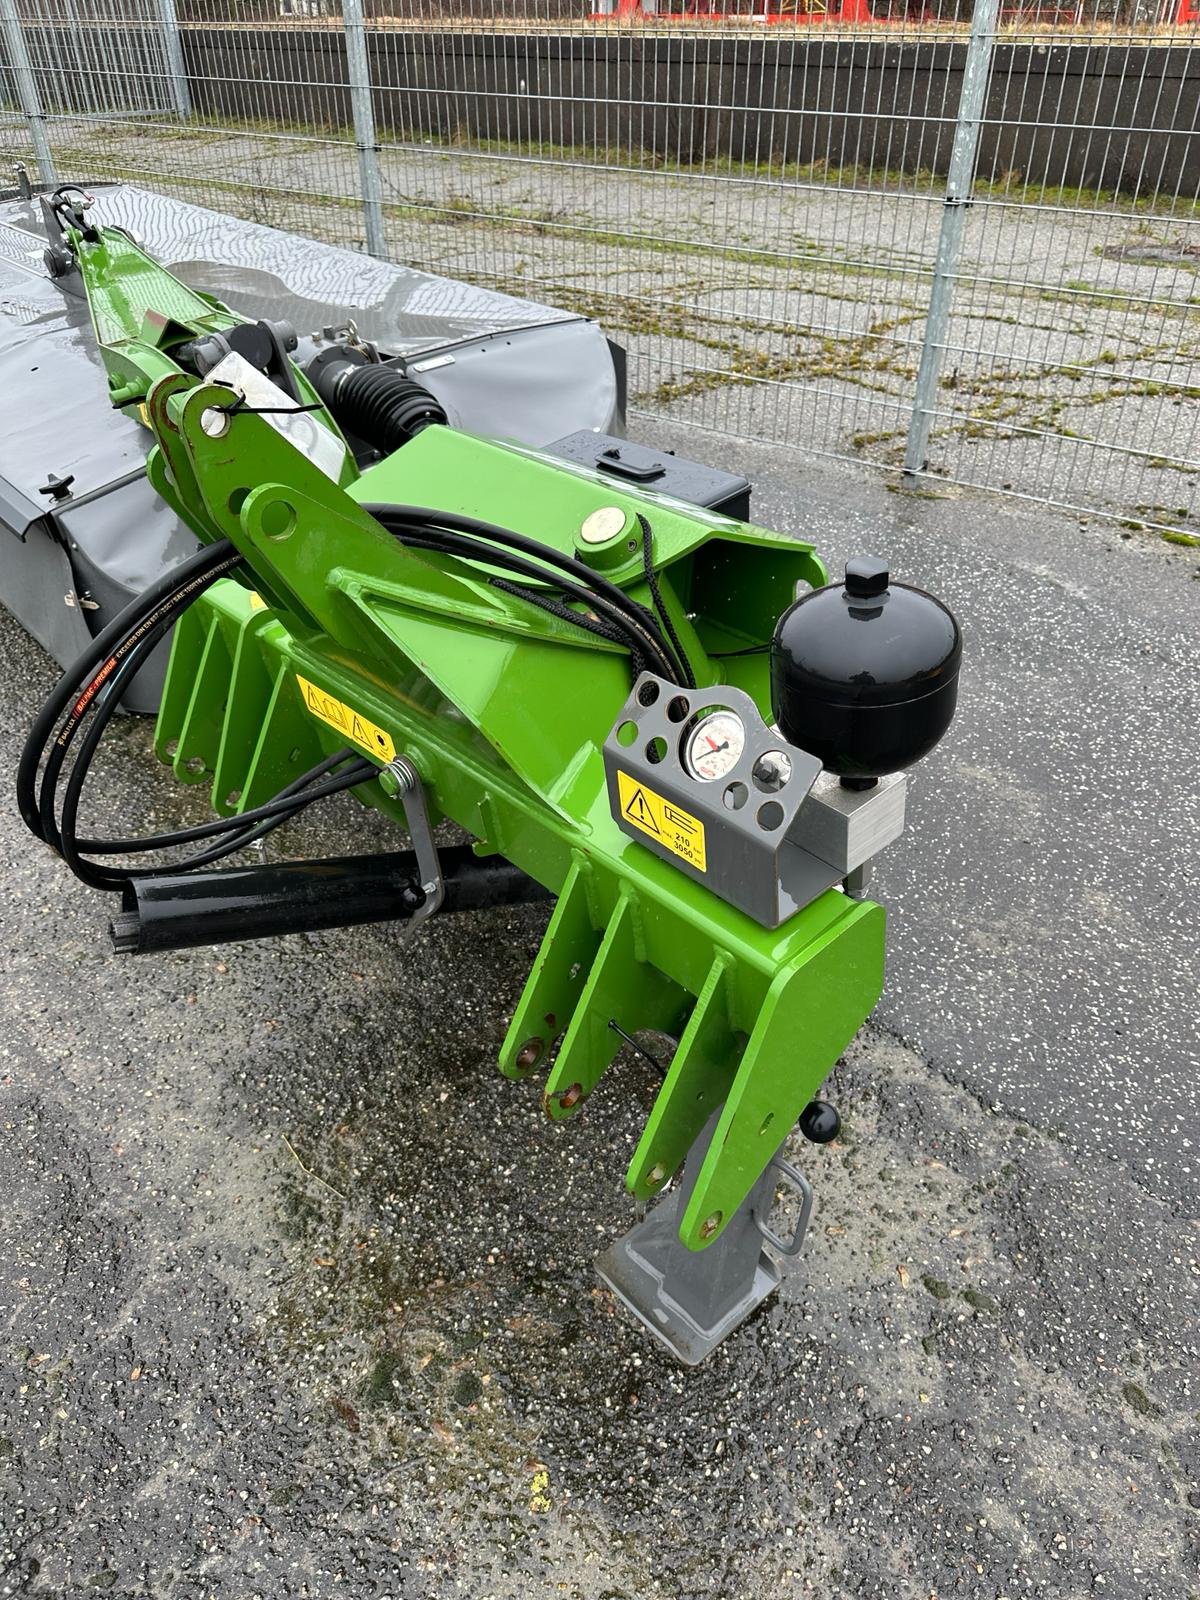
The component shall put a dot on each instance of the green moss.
(937, 1287)
(379, 1386)
(1138, 1400)
(467, 1389)
(300, 1216)
(978, 1301)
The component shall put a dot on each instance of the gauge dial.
(713, 746)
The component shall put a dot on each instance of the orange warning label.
(675, 829)
(373, 739)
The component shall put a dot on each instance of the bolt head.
(866, 576)
(603, 524)
(530, 1053)
(656, 1175)
(571, 1097)
(710, 1225)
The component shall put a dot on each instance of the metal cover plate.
(730, 834)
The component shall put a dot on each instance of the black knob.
(57, 488)
(866, 576)
(819, 1122)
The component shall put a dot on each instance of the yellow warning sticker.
(347, 721)
(675, 829)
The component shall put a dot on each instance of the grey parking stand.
(691, 1299)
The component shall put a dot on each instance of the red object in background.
(815, 11)
(1177, 13)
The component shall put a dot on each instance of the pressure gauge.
(713, 746)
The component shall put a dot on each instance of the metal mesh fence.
(762, 203)
(1070, 360)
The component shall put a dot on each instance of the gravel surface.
(296, 1292)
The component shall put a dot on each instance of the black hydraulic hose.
(94, 718)
(629, 620)
(303, 788)
(97, 681)
(207, 830)
(188, 579)
(428, 519)
(125, 660)
(233, 833)
(265, 901)
(295, 798)
(596, 584)
(457, 544)
(556, 608)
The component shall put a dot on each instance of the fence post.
(176, 66)
(31, 105)
(358, 73)
(959, 181)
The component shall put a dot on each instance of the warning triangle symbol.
(641, 812)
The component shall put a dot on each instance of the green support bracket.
(697, 1082)
(248, 718)
(554, 986)
(201, 728)
(621, 987)
(815, 1006)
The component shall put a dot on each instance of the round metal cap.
(605, 523)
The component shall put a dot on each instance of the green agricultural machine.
(662, 717)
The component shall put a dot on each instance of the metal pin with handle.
(794, 1179)
(409, 789)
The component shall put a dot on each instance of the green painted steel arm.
(141, 315)
(504, 709)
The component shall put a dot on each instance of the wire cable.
(656, 596)
(600, 592)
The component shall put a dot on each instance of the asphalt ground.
(296, 1293)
